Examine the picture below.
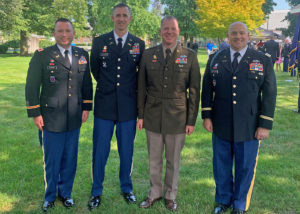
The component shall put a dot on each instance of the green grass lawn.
(277, 185)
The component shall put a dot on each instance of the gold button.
(118, 75)
(119, 59)
(70, 95)
(46, 105)
(70, 86)
(52, 72)
(234, 94)
(70, 79)
(118, 67)
(234, 102)
(166, 78)
(118, 84)
(165, 86)
(70, 72)
(234, 86)
(234, 77)
(255, 77)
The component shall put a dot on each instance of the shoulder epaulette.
(268, 55)
(96, 36)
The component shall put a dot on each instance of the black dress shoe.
(221, 208)
(237, 211)
(129, 197)
(67, 202)
(47, 205)
(95, 201)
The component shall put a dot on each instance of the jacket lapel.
(244, 61)
(226, 60)
(112, 43)
(57, 56)
(159, 55)
(75, 59)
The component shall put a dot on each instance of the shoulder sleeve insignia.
(40, 49)
(268, 55)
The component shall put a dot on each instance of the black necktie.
(235, 62)
(120, 44)
(168, 55)
(67, 60)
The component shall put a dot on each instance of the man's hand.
(189, 129)
(39, 122)
(207, 124)
(139, 124)
(85, 115)
(261, 133)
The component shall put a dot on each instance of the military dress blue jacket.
(239, 102)
(116, 74)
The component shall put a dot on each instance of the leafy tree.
(9, 14)
(143, 23)
(185, 13)
(291, 18)
(268, 7)
(38, 16)
(217, 15)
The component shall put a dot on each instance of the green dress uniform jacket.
(57, 92)
(168, 95)
(239, 102)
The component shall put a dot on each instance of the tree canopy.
(217, 15)
(185, 13)
(144, 22)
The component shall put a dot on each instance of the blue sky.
(281, 5)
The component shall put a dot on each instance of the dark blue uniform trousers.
(285, 64)
(60, 162)
(235, 192)
(125, 133)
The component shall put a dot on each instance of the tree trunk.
(24, 47)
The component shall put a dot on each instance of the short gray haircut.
(168, 17)
(234, 23)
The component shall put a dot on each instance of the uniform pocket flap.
(51, 102)
(150, 99)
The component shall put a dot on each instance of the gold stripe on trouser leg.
(131, 168)
(252, 182)
(44, 165)
(92, 174)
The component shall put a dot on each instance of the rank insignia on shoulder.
(40, 49)
(82, 60)
(268, 55)
(97, 35)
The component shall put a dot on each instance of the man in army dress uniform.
(59, 97)
(166, 110)
(271, 47)
(238, 103)
(115, 57)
